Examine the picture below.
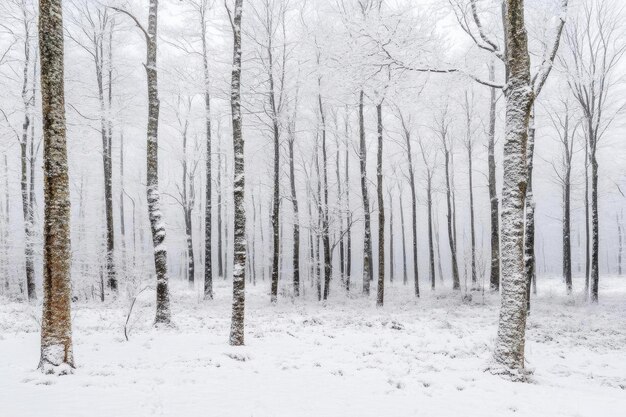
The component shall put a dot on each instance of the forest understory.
(423, 357)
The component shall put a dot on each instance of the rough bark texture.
(157, 226)
(239, 232)
(367, 237)
(56, 320)
(381, 208)
(509, 349)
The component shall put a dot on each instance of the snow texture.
(348, 358)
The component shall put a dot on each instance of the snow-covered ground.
(348, 358)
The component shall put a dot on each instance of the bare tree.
(157, 226)
(442, 129)
(521, 91)
(239, 267)
(56, 324)
(469, 145)
(367, 239)
(407, 138)
(594, 49)
(560, 119)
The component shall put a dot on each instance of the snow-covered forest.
(312, 207)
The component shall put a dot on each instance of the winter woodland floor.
(410, 358)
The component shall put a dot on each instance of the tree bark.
(409, 153)
(405, 278)
(529, 228)
(509, 349)
(456, 283)
(239, 232)
(296, 217)
(56, 322)
(381, 208)
(208, 206)
(494, 278)
(367, 239)
(157, 227)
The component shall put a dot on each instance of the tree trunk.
(239, 232)
(208, 206)
(157, 227)
(325, 221)
(494, 279)
(348, 270)
(471, 195)
(456, 284)
(367, 239)
(220, 249)
(529, 230)
(381, 208)
(620, 248)
(405, 278)
(409, 153)
(56, 321)
(509, 349)
(27, 209)
(567, 245)
(595, 227)
(296, 218)
(431, 252)
(276, 186)
(391, 253)
(342, 252)
(587, 230)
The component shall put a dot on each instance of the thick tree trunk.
(239, 232)
(157, 227)
(56, 321)
(494, 279)
(509, 349)
(381, 208)
(367, 239)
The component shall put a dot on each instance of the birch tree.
(239, 231)
(157, 226)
